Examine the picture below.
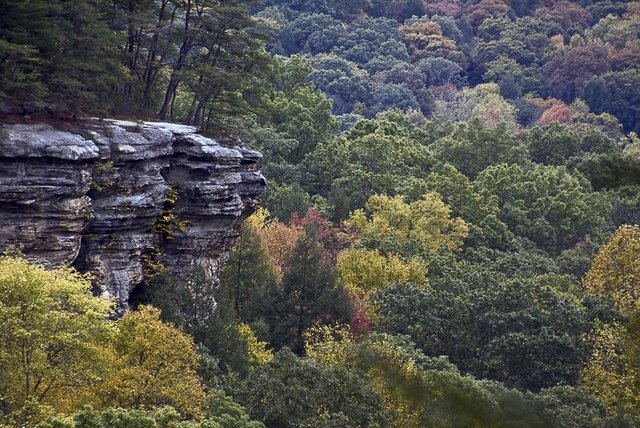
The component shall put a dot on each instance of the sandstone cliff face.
(116, 198)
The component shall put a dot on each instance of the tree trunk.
(185, 48)
(168, 95)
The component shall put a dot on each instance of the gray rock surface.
(116, 198)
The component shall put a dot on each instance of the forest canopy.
(449, 235)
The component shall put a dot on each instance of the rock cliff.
(119, 199)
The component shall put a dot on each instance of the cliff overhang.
(119, 199)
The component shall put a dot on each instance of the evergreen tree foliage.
(289, 391)
(451, 234)
(308, 295)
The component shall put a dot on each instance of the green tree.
(315, 33)
(472, 147)
(284, 200)
(522, 333)
(397, 9)
(553, 144)
(392, 95)
(62, 52)
(441, 71)
(480, 212)
(20, 68)
(343, 82)
(224, 413)
(369, 38)
(309, 294)
(296, 118)
(299, 111)
(616, 93)
(294, 392)
(247, 275)
(549, 205)
(375, 156)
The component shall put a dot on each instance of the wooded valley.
(449, 236)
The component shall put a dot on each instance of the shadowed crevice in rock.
(119, 198)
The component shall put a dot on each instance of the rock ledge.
(116, 197)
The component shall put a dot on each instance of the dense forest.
(449, 237)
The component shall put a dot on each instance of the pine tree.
(308, 295)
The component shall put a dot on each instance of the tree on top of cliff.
(197, 61)
(58, 51)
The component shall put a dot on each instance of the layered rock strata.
(120, 199)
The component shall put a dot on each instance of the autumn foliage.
(615, 271)
(59, 351)
(558, 113)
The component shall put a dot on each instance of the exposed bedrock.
(117, 198)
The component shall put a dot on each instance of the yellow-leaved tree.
(331, 344)
(609, 373)
(615, 271)
(395, 241)
(364, 271)
(257, 350)
(613, 370)
(279, 239)
(395, 376)
(415, 389)
(388, 368)
(54, 339)
(154, 365)
(426, 223)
